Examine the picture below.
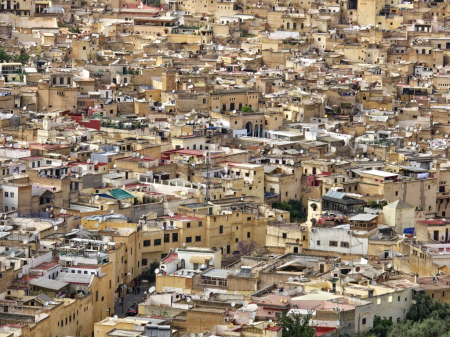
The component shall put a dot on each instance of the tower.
(168, 80)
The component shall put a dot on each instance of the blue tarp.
(409, 230)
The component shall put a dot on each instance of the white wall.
(357, 245)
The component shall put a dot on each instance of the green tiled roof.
(120, 194)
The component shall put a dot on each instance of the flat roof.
(379, 173)
(48, 283)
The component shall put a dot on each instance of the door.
(436, 235)
(231, 106)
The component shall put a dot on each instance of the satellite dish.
(299, 289)
(112, 211)
(347, 279)
(233, 304)
(188, 300)
(389, 266)
(152, 289)
(245, 304)
(55, 228)
(157, 271)
(290, 279)
(96, 197)
(19, 275)
(46, 303)
(200, 335)
(96, 225)
(280, 218)
(115, 318)
(346, 263)
(250, 321)
(338, 323)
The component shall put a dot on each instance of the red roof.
(169, 258)
(435, 222)
(322, 330)
(46, 266)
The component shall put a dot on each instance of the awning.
(200, 259)
(334, 280)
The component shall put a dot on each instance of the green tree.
(150, 273)
(294, 207)
(432, 327)
(4, 55)
(381, 328)
(426, 308)
(296, 325)
(22, 58)
(247, 109)
(75, 30)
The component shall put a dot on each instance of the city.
(229, 168)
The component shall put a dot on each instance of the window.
(200, 224)
(221, 230)
(396, 192)
(174, 237)
(318, 242)
(228, 249)
(157, 242)
(237, 240)
(166, 237)
(284, 235)
(333, 244)
(345, 244)
(398, 299)
(188, 225)
(6, 194)
(147, 243)
(248, 235)
(12, 194)
(144, 262)
(96, 296)
(363, 321)
(189, 239)
(198, 238)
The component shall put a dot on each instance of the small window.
(248, 235)
(363, 321)
(318, 242)
(221, 230)
(284, 235)
(345, 244)
(333, 244)
(198, 238)
(189, 239)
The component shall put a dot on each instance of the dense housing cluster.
(218, 167)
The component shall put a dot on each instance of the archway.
(249, 127)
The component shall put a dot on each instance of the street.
(129, 300)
